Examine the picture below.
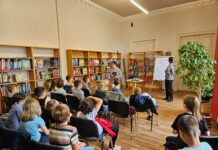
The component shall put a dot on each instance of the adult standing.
(169, 77)
(115, 72)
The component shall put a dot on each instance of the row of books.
(50, 73)
(148, 79)
(8, 78)
(94, 62)
(95, 77)
(93, 70)
(78, 62)
(80, 71)
(105, 76)
(46, 63)
(24, 88)
(15, 64)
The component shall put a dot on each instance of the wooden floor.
(143, 138)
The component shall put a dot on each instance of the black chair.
(86, 92)
(59, 97)
(8, 101)
(12, 139)
(87, 130)
(147, 107)
(68, 89)
(211, 140)
(33, 145)
(73, 102)
(120, 109)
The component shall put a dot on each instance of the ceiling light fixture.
(137, 4)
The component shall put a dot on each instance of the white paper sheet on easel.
(160, 66)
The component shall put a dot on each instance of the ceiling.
(125, 8)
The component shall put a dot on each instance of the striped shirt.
(63, 135)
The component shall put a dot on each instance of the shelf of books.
(141, 65)
(46, 64)
(22, 68)
(94, 64)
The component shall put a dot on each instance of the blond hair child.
(31, 122)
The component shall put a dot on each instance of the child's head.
(101, 86)
(69, 79)
(113, 64)
(87, 105)
(60, 83)
(51, 105)
(170, 59)
(116, 82)
(192, 104)
(40, 92)
(86, 79)
(12, 89)
(188, 128)
(47, 84)
(61, 113)
(53, 85)
(31, 109)
(78, 84)
(19, 97)
(138, 91)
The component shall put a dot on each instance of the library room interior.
(109, 74)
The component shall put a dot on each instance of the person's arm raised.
(98, 102)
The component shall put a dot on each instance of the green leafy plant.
(196, 68)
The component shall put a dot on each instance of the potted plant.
(196, 68)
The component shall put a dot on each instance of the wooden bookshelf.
(25, 57)
(96, 62)
(141, 65)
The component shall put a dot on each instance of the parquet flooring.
(143, 138)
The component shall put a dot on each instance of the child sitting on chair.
(62, 134)
(189, 132)
(102, 93)
(116, 87)
(70, 81)
(13, 120)
(138, 100)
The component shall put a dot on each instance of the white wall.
(166, 28)
(28, 22)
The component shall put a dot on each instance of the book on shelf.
(39, 63)
(24, 88)
(92, 70)
(43, 74)
(94, 62)
(18, 77)
(84, 71)
(46, 63)
(77, 71)
(92, 78)
(96, 69)
(98, 77)
(5, 78)
(55, 62)
(104, 62)
(15, 64)
(75, 62)
(81, 62)
(105, 76)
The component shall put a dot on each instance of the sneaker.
(116, 147)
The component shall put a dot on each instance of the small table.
(134, 82)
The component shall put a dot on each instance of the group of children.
(47, 121)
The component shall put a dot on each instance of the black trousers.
(169, 89)
(115, 128)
